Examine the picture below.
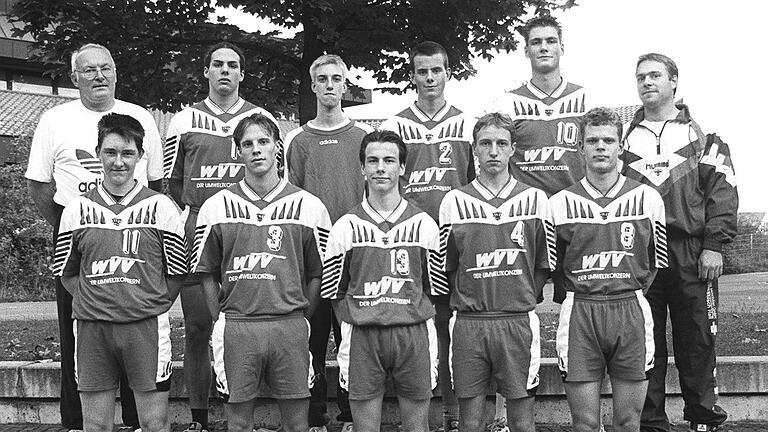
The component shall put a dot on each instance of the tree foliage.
(158, 44)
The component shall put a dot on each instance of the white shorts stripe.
(311, 374)
(74, 331)
(451, 323)
(533, 368)
(650, 347)
(342, 356)
(164, 368)
(563, 332)
(217, 341)
(432, 335)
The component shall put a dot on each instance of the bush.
(26, 247)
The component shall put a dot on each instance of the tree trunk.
(312, 49)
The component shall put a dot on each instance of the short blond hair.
(328, 59)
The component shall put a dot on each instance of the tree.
(158, 44)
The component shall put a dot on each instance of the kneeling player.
(382, 261)
(500, 247)
(259, 244)
(121, 254)
(611, 241)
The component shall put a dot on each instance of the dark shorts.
(503, 349)
(596, 332)
(407, 353)
(142, 349)
(266, 358)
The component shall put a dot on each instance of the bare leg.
(152, 407)
(414, 414)
(367, 414)
(584, 402)
(98, 410)
(240, 416)
(628, 399)
(520, 417)
(471, 414)
(293, 414)
(197, 333)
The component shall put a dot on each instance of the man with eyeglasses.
(62, 166)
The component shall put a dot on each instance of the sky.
(715, 44)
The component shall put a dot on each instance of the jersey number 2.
(445, 153)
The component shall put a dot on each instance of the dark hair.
(500, 120)
(213, 48)
(600, 116)
(668, 63)
(384, 136)
(541, 21)
(123, 125)
(256, 120)
(428, 48)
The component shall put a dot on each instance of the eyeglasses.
(92, 73)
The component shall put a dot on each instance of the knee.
(586, 423)
(470, 423)
(295, 425)
(155, 423)
(97, 424)
(521, 424)
(239, 424)
(626, 420)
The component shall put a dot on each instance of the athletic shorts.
(596, 332)
(504, 349)
(368, 355)
(142, 349)
(191, 279)
(262, 358)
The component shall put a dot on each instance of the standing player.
(694, 174)
(200, 159)
(546, 111)
(62, 166)
(121, 254)
(438, 138)
(499, 241)
(611, 241)
(381, 262)
(322, 158)
(259, 245)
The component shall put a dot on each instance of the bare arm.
(175, 187)
(156, 185)
(42, 195)
(70, 283)
(174, 284)
(313, 295)
(540, 277)
(211, 289)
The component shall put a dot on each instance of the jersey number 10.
(567, 133)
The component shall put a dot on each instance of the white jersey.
(64, 148)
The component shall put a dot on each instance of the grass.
(741, 334)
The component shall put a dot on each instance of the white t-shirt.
(64, 148)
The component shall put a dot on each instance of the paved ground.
(738, 293)
(728, 427)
